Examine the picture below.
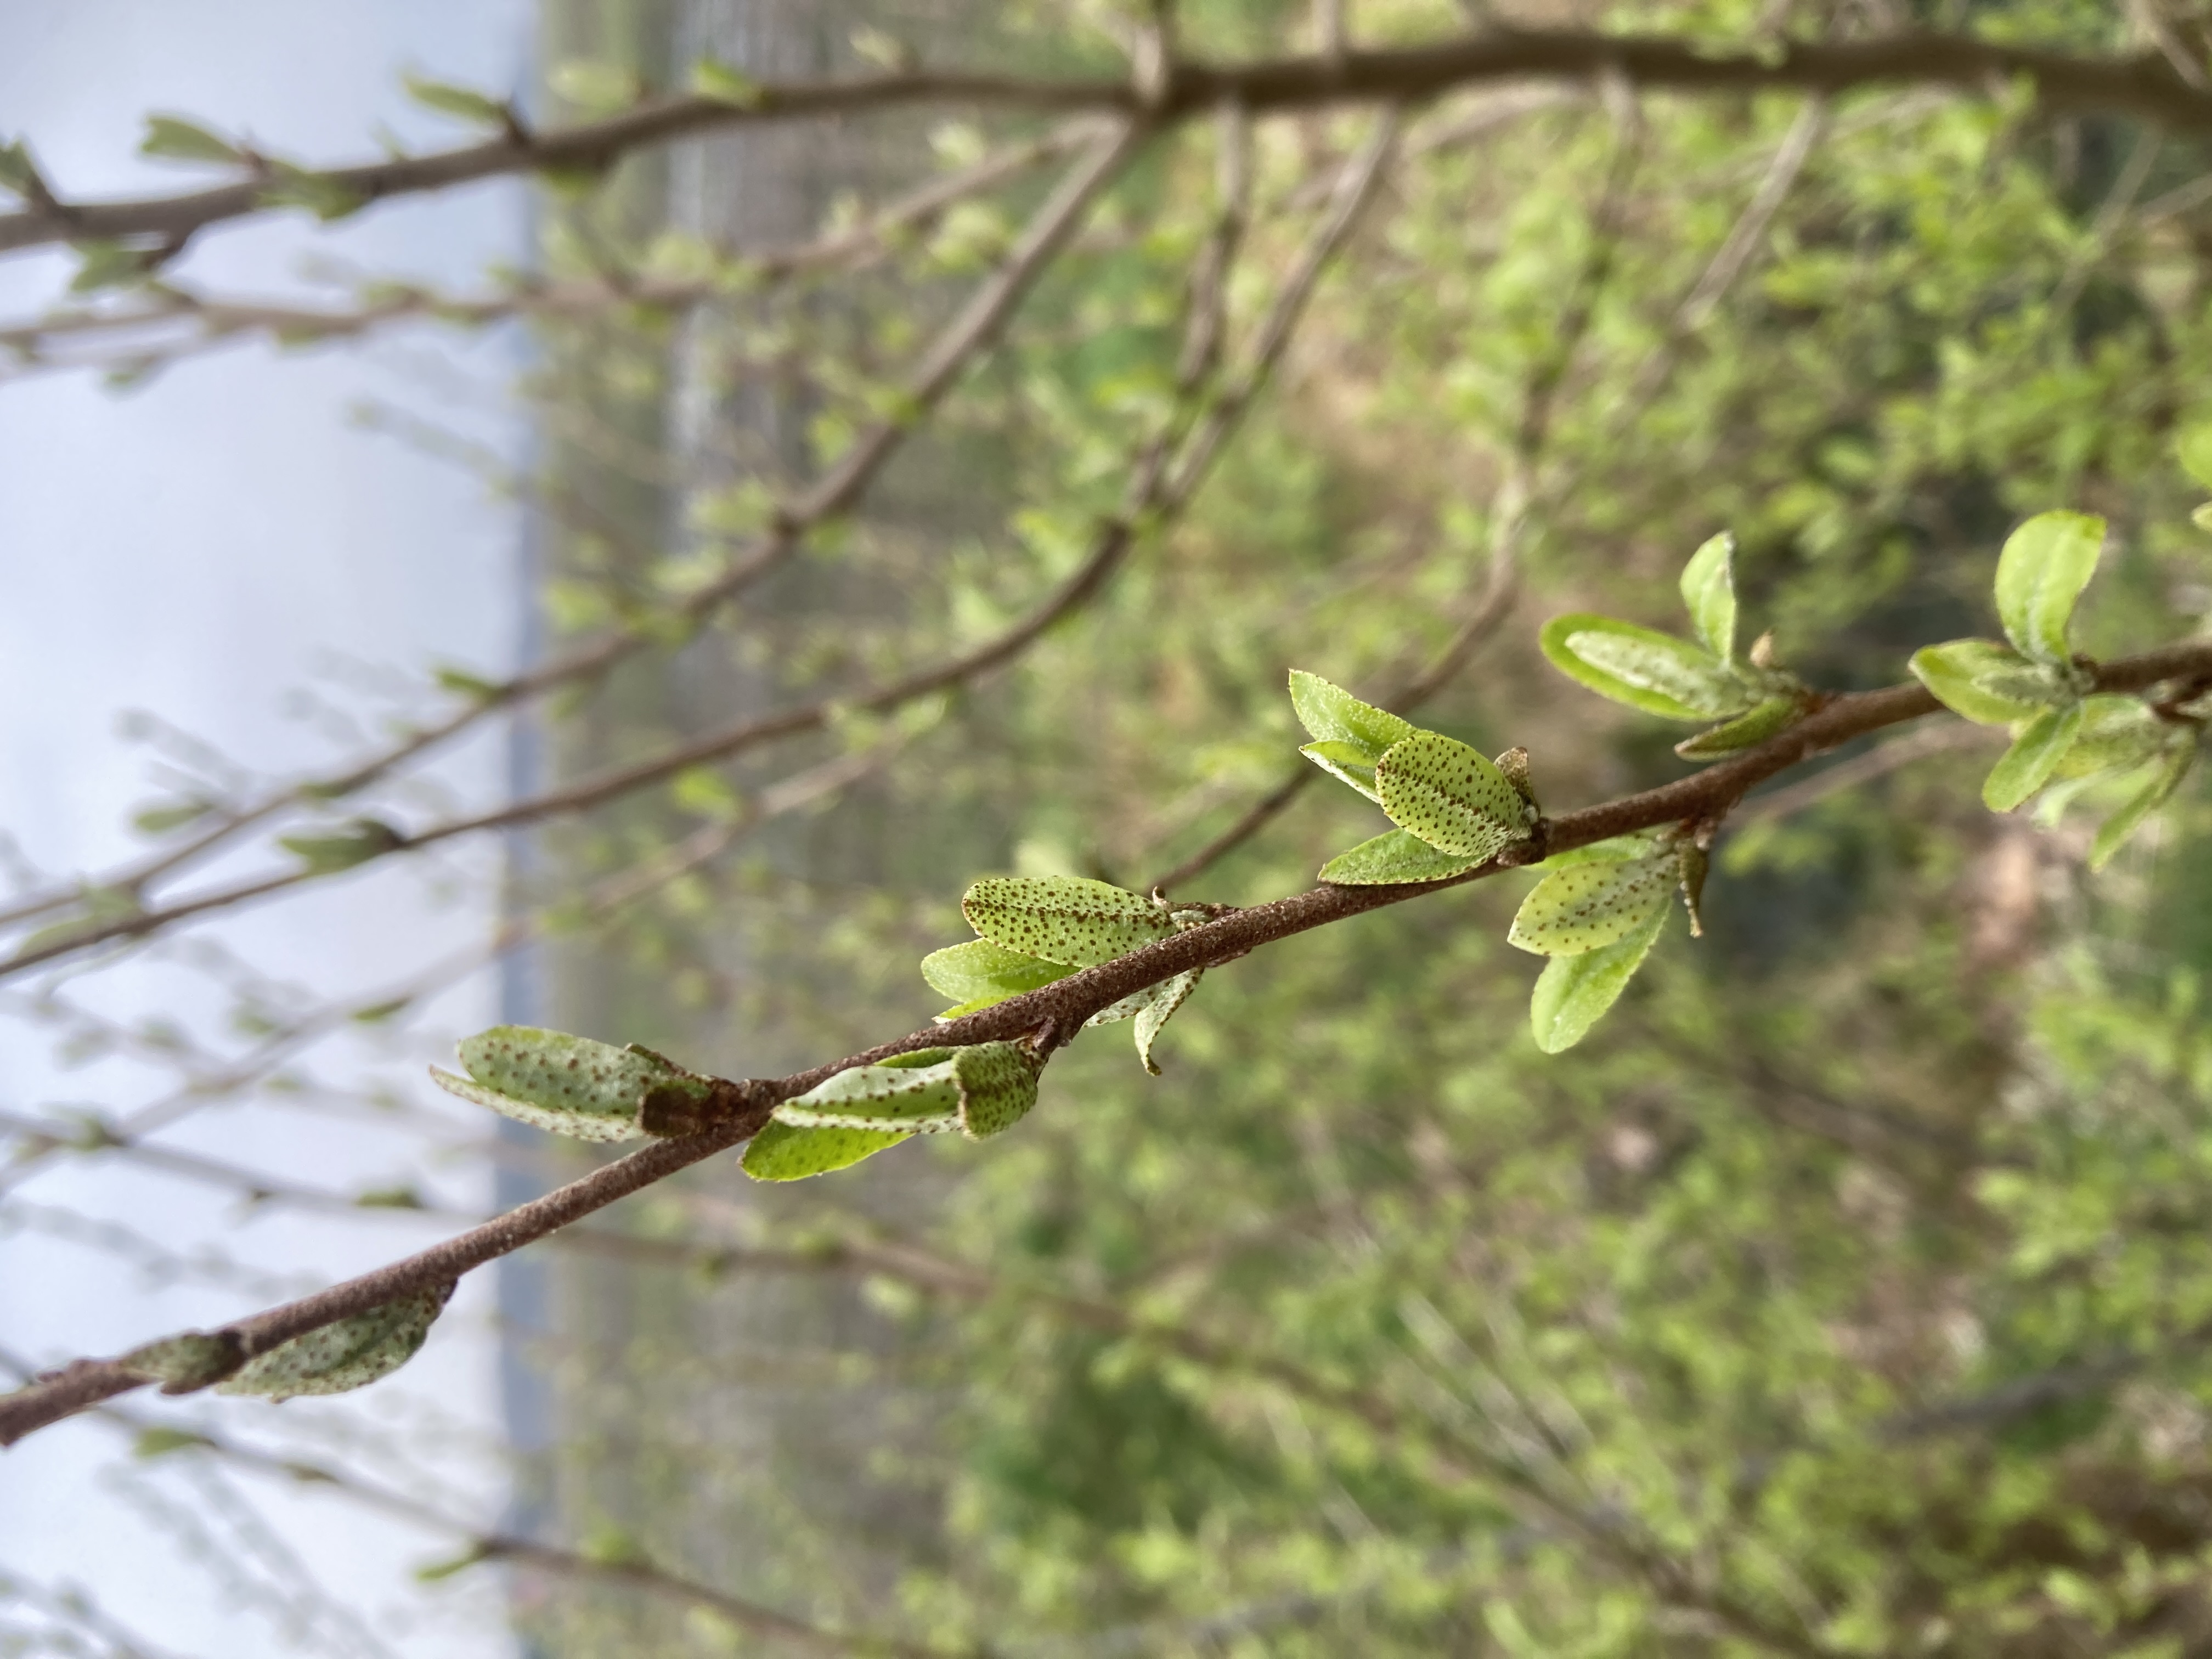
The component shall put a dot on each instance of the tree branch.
(2145, 87)
(1059, 1010)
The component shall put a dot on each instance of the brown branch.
(2146, 86)
(1058, 1011)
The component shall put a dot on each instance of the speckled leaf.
(1991, 684)
(2113, 834)
(782, 1152)
(1643, 668)
(1708, 590)
(1391, 858)
(1349, 736)
(569, 1086)
(1167, 996)
(914, 1099)
(1587, 906)
(1064, 919)
(344, 1356)
(998, 1085)
(1450, 796)
(2046, 564)
(980, 973)
(1768, 718)
(2034, 755)
(182, 1363)
(1573, 992)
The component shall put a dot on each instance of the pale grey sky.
(201, 547)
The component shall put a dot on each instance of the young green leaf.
(109, 265)
(1586, 907)
(1173, 994)
(360, 842)
(1068, 920)
(2035, 753)
(1643, 668)
(1573, 992)
(998, 1084)
(2118, 733)
(173, 138)
(1349, 736)
(712, 78)
(1775, 714)
(782, 1152)
(344, 1356)
(463, 103)
(1450, 796)
(1151, 1008)
(1637, 844)
(980, 973)
(569, 1086)
(182, 1363)
(2046, 564)
(1991, 684)
(1393, 859)
(2165, 778)
(1708, 590)
(914, 1099)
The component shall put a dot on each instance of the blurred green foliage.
(1846, 1292)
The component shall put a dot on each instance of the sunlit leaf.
(1708, 590)
(1349, 736)
(1643, 668)
(1991, 684)
(2046, 564)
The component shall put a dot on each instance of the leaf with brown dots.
(1452, 796)
(570, 1085)
(1068, 920)
(998, 1085)
(913, 1099)
(341, 1357)
(782, 1152)
(1573, 992)
(1585, 906)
